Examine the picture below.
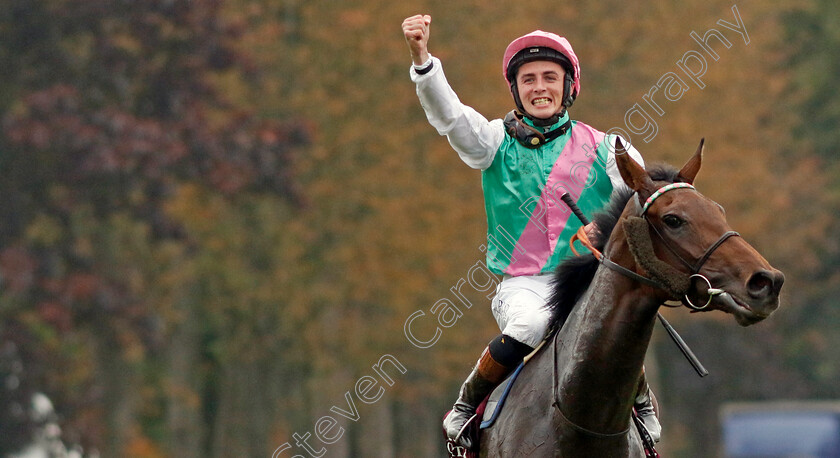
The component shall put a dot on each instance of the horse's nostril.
(764, 283)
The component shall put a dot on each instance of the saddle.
(488, 411)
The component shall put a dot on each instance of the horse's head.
(682, 238)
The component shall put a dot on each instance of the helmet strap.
(568, 97)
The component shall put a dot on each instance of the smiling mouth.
(542, 101)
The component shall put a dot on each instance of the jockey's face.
(540, 86)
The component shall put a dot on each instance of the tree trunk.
(119, 382)
(184, 387)
(377, 429)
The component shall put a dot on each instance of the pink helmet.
(536, 40)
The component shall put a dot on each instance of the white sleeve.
(612, 169)
(474, 137)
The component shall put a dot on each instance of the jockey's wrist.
(425, 67)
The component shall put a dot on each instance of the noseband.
(664, 276)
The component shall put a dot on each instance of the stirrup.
(454, 450)
(648, 443)
(464, 428)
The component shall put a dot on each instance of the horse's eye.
(672, 221)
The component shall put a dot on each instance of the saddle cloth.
(489, 410)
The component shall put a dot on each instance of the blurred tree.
(813, 39)
(783, 198)
(813, 44)
(109, 111)
(181, 282)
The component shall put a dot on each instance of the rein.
(580, 236)
(665, 277)
(641, 244)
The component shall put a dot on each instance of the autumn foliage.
(216, 215)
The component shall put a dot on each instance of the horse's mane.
(573, 276)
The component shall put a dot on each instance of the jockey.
(528, 160)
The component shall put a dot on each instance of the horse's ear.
(690, 169)
(631, 172)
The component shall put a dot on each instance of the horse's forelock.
(664, 172)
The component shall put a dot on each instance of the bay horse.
(661, 240)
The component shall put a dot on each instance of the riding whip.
(684, 349)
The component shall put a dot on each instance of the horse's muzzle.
(761, 297)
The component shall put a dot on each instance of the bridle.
(693, 267)
(641, 221)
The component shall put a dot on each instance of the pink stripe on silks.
(536, 244)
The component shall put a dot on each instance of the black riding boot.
(645, 408)
(486, 376)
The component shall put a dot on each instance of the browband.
(663, 190)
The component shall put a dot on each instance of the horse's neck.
(602, 352)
